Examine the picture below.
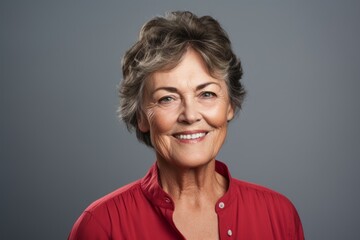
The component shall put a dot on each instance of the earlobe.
(230, 113)
(143, 123)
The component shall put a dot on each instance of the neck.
(193, 185)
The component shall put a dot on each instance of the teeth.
(191, 136)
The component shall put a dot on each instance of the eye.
(207, 94)
(166, 99)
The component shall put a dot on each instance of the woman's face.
(186, 111)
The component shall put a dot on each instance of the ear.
(230, 112)
(142, 122)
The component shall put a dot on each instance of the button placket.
(225, 229)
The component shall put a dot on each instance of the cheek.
(217, 115)
(160, 122)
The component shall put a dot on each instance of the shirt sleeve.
(297, 233)
(87, 227)
(299, 230)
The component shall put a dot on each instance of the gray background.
(62, 146)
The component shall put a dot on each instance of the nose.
(189, 112)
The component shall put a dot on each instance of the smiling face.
(186, 111)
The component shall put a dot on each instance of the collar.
(156, 195)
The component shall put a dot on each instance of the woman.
(181, 87)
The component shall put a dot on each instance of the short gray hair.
(162, 43)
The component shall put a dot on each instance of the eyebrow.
(174, 90)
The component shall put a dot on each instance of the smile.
(190, 136)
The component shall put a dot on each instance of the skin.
(187, 111)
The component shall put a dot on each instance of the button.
(229, 233)
(221, 205)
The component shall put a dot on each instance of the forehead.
(191, 71)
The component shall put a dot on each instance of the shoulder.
(255, 193)
(97, 219)
(244, 185)
(116, 197)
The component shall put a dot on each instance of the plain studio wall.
(62, 146)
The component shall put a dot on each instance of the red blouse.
(142, 210)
